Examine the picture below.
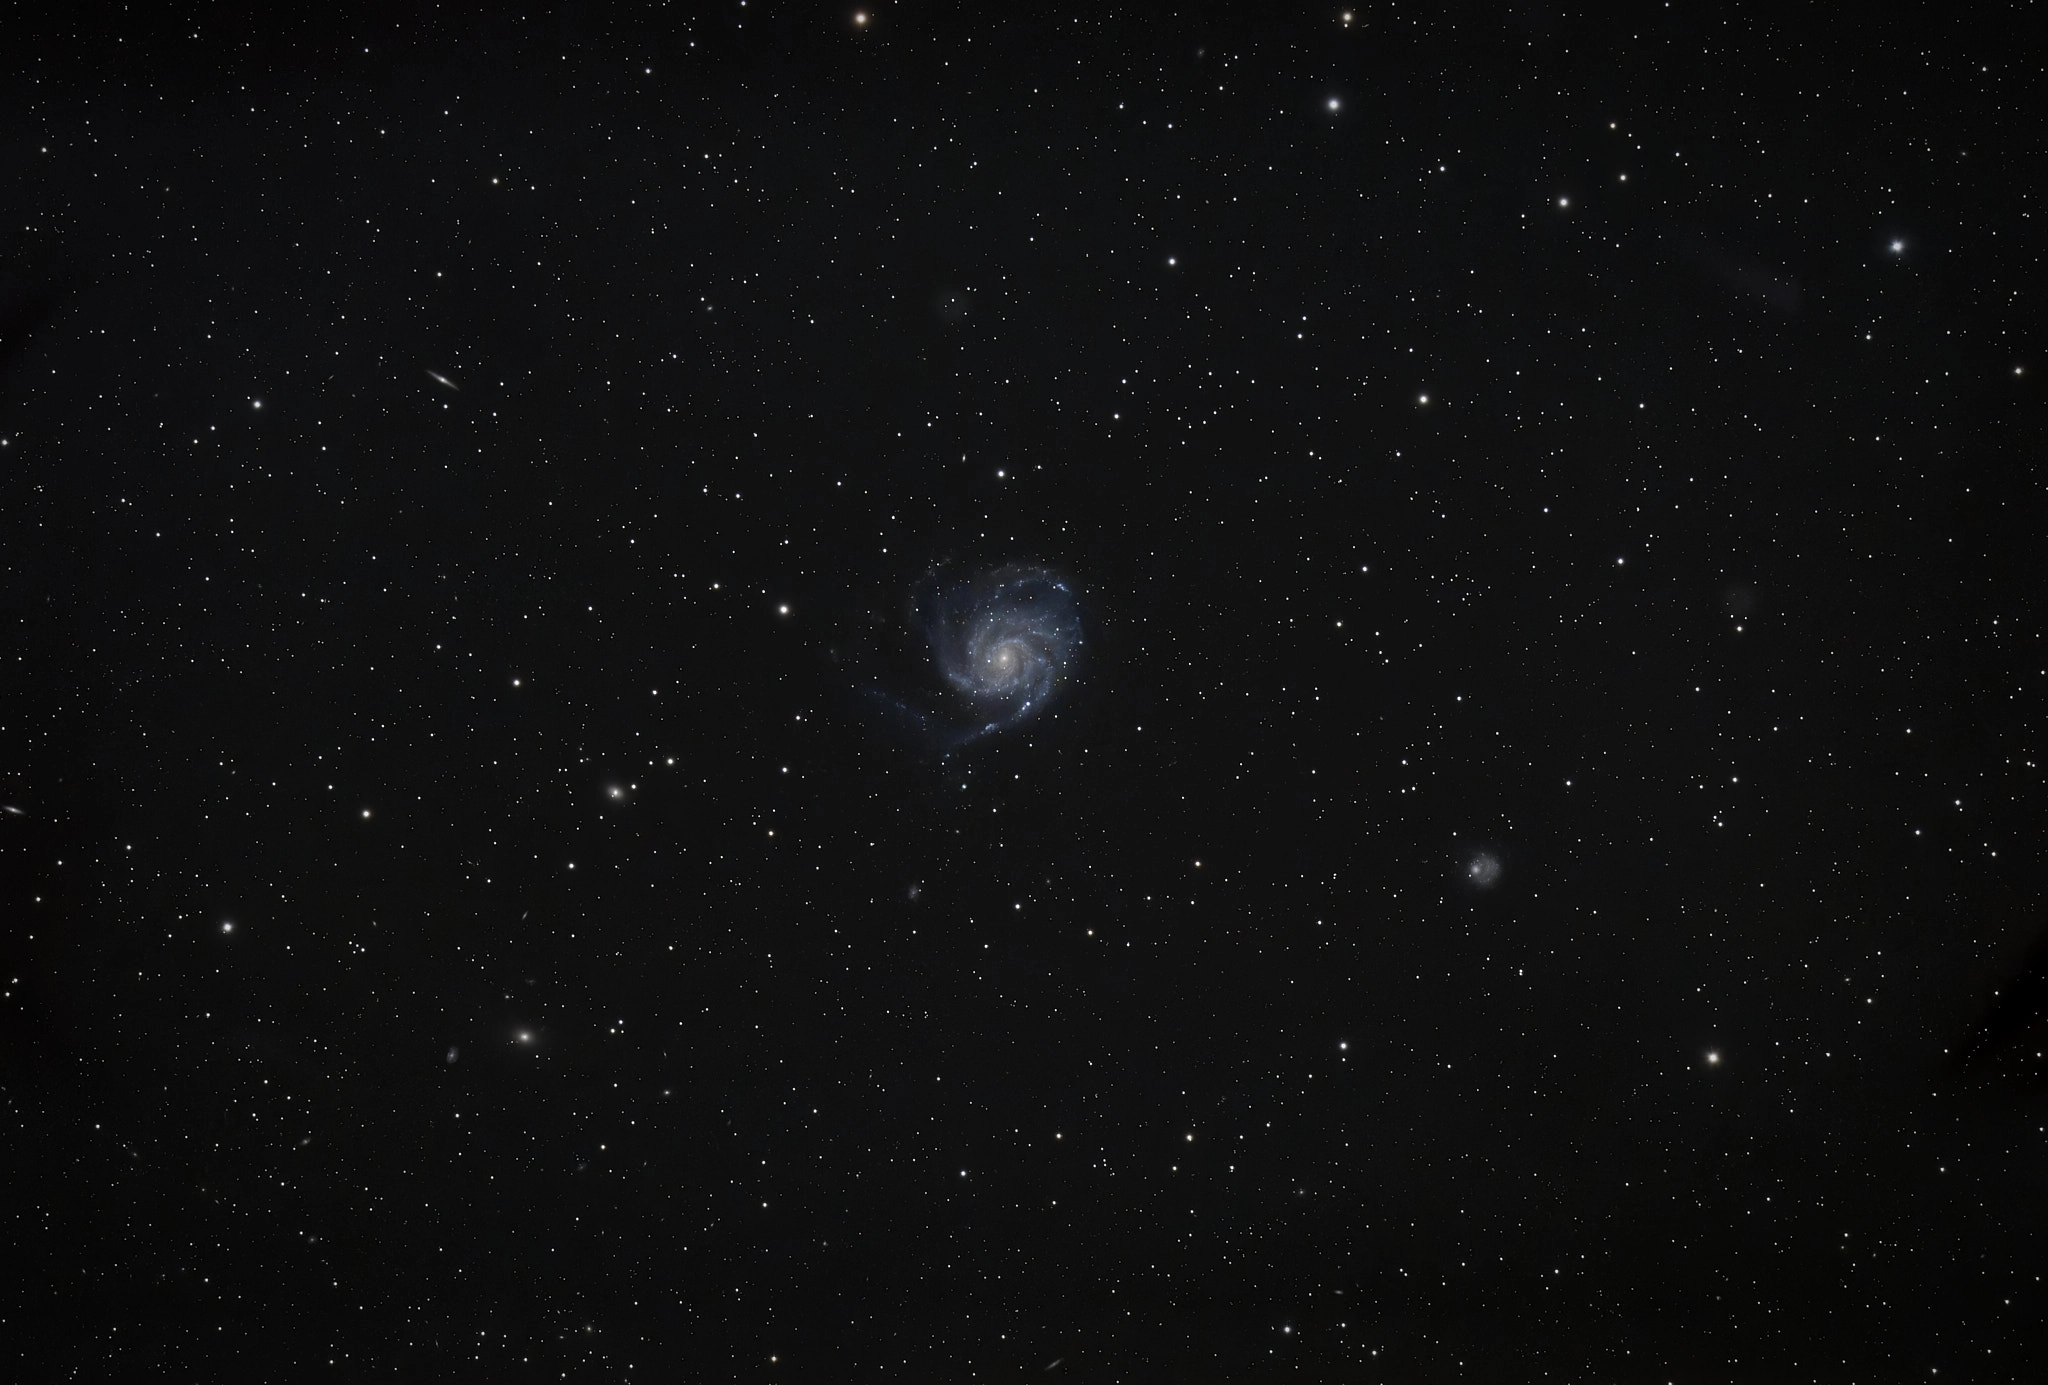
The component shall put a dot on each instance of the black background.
(459, 926)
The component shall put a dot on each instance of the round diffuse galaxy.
(1002, 640)
(1481, 866)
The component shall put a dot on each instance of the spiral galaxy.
(997, 644)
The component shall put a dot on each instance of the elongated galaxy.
(997, 643)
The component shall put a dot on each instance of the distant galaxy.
(1480, 866)
(992, 648)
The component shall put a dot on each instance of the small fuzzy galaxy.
(990, 649)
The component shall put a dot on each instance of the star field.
(808, 693)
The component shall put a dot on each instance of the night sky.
(793, 694)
